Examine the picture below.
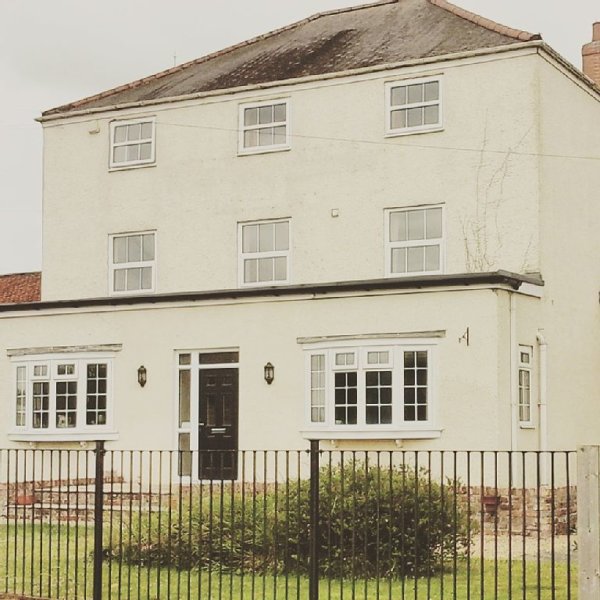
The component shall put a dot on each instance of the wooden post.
(588, 521)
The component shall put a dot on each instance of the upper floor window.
(264, 126)
(413, 106)
(264, 252)
(132, 260)
(62, 395)
(414, 241)
(132, 143)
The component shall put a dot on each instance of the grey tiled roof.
(385, 32)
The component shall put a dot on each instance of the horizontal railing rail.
(322, 522)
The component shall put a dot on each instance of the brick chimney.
(591, 55)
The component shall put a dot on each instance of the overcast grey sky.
(52, 52)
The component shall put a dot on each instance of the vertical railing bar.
(159, 509)
(524, 524)
(298, 521)
(403, 549)
(243, 526)
(88, 455)
(201, 467)
(253, 582)
(264, 522)
(121, 524)
(482, 525)
(221, 456)
(365, 560)
(314, 521)
(68, 547)
(342, 519)
(496, 518)
(189, 533)
(468, 456)
(180, 458)
(553, 528)
(33, 523)
(130, 521)
(58, 523)
(568, 482)
(210, 459)
(392, 558)
(234, 528)
(429, 523)
(15, 535)
(287, 524)
(50, 514)
(170, 523)
(24, 526)
(275, 524)
(539, 524)
(354, 520)
(330, 515)
(416, 525)
(139, 523)
(111, 496)
(510, 516)
(455, 523)
(98, 524)
(443, 512)
(378, 529)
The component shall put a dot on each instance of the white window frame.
(242, 150)
(270, 254)
(115, 166)
(525, 367)
(112, 266)
(399, 428)
(389, 245)
(82, 431)
(389, 131)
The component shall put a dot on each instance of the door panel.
(218, 423)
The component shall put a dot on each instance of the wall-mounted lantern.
(269, 373)
(142, 376)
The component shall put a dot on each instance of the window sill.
(86, 436)
(265, 150)
(362, 434)
(113, 169)
(393, 134)
(526, 426)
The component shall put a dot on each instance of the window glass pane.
(398, 226)
(40, 370)
(96, 394)
(184, 396)
(134, 248)
(120, 134)
(146, 278)
(432, 91)
(134, 132)
(134, 279)
(250, 138)
(265, 136)
(250, 238)
(415, 93)
(250, 116)
(250, 271)
(280, 110)
(185, 359)
(265, 269)
(120, 154)
(148, 246)
(145, 151)
(431, 115)
(415, 259)
(416, 224)
(422, 359)
(133, 153)
(399, 260)
(398, 95)
(432, 258)
(119, 250)
(398, 119)
(434, 223)
(282, 241)
(279, 136)
(185, 456)
(266, 237)
(215, 358)
(414, 117)
(67, 369)
(146, 131)
(265, 114)
(280, 268)
(120, 280)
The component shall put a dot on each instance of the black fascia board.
(512, 280)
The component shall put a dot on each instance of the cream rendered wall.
(200, 189)
(468, 382)
(570, 253)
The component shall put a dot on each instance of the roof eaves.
(518, 34)
(197, 61)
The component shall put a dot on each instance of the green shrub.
(372, 522)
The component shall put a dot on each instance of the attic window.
(132, 143)
(264, 127)
(413, 106)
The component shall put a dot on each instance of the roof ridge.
(518, 34)
(212, 55)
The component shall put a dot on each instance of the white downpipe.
(514, 382)
(543, 403)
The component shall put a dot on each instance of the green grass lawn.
(55, 562)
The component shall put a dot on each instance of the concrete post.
(588, 521)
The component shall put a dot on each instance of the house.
(376, 227)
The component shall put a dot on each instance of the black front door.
(218, 423)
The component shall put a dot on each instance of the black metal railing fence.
(318, 523)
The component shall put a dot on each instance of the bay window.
(373, 390)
